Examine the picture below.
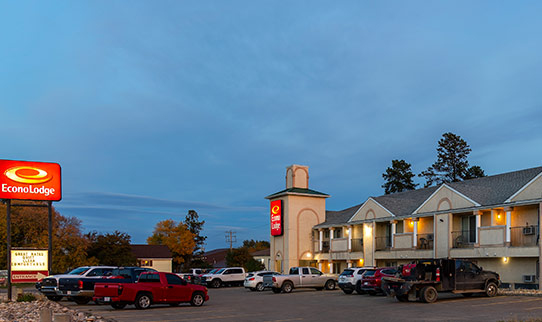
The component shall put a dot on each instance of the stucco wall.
(532, 191)
(513, 270)
(445, 199)
(159, 264)
(370, 210)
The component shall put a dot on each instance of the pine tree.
(398, 177)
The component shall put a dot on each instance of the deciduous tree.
(177, 237)
(111, 248)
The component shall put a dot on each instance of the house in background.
(216, 257)
(157, 257)
(263, 256)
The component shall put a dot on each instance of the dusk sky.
(153, 108)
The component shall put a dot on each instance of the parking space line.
(507, 302)
(534, 308)
(209, 317)
(296, 319)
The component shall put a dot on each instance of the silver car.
(254, 280)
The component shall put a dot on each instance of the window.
(149, 278)
(348, 272)
(326, 234)
(315, 271)
(338, 233)
(174, 279)
(145, 262)
(236, 271)
(100, 272)
(294, 271)
(361, 271)
(306, 271)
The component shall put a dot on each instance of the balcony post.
(393, 231)
(478, 215)
(415, 233)
(320, 239)
(349, 238)
(508, 211)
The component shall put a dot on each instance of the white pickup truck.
(234, 276)
(300, 277)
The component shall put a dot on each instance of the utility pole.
(231, 238)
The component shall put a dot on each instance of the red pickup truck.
(151, 288)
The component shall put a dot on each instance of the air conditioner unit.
(529, 278)
(528, 230)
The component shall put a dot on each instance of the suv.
(225, 276)
(350, 279)
(372, 279)
(254, 280)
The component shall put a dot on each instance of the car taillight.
(251, 279)
(274, 279)
(438, 274)
(121, 288)
(80, 285)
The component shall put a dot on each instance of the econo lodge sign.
(30, 180)
(276, 218)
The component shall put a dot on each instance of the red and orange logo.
(28, 175)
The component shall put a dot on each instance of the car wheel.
(330, 285)
(491, 289)
(287, 287)
(118, 306)
(275, 290)
(216, 283)
(348, 291)
(197, 299)
(143, 301)
(81, 300)
(358, 288)
(260, 287)
(428, 294)
(55, 298)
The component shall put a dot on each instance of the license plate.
(107, 299)
(69, 292)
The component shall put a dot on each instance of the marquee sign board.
(276, 218)
(26, 180)
(29, 265)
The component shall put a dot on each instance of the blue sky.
(156, 107)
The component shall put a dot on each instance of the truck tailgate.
(106, 290)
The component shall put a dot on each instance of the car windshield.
(369, 273)
(79, 271)
(220, 271)
(212, 271)
(347, 272)
(250, 274)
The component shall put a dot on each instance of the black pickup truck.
(423, 279)
(81, 290)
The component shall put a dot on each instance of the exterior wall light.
(367, 230)
(361, 261)
(308, 255)
(505, 259)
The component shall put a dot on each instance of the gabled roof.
(151, 251)
(495, 189)
(297, 191)
(338, 217)
(262, 252)
(486, 191)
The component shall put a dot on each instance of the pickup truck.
(81, 289)
(49, 285)
(423, 279)
(234, 276)
(151, 288)
(192, 276)
(300, 277)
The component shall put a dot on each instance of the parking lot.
(237, 304)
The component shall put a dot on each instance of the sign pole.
(8, 231)
(50, 255)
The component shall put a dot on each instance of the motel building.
(493, 221)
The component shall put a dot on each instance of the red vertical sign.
(276, 218)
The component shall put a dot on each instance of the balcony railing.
(382, 243)
(357, 244)
(463, 239)
(325, 246)
(425, 241)
(523, 236)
